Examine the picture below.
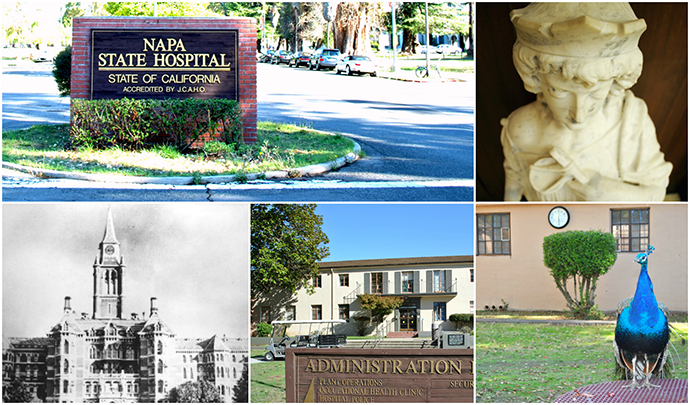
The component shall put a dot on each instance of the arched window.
(66, 368)
(160, 366)
(234, 372)
(22, 358)
(184, 358)
(184, 373)
(160, 347)
(222, 390)
(65, 350)
(233, 359)
(88, 388)
(191, 373)
(160, 386)
(221, 357)
(65, 387)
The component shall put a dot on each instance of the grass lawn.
(279, 147)
(519, 362)
(267, 380)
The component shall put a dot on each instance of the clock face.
(109, 250)
(559, 217)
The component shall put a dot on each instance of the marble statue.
(586, 137)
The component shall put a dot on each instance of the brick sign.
(372, 375)
(160, 64)
(167, 57)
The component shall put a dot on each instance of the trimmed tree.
(582, 256)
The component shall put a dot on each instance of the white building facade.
(433, 288)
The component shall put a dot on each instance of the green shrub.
(462, 320)
(582, 256)
(263, 329)
(62, 70)
(136, 124)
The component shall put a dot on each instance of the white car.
(356, 64)
(448, 49)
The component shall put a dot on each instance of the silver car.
(356, 64)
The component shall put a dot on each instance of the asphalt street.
(417, 139)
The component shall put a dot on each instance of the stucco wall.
(522, 280)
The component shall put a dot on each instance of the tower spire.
(109, 235)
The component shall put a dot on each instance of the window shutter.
(448, 278)
(367, 283)
(430, 281)
(415, 283)
(384, 279)
(398, 283)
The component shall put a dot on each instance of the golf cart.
(311, 334)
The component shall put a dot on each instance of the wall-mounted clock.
(559, 217)
(109, 250)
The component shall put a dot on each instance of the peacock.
(641, 343)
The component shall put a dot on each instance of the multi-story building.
(105, 356)
(433, 288)
(510, 258)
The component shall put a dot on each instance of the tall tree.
(16, 391)
(286, 245)
(240, 392)
(444, 19)
(354, 22)
(72, 9)
(164, 9)
(192, 392)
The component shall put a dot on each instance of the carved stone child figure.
(586, 137)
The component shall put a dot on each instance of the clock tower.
(108, 272)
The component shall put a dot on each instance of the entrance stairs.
(399, 343)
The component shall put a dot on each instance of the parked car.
(281, 57)
(300, 59)
(356, 64)
(266, 57)
(424, 48)
(324, 58)
(447, 49)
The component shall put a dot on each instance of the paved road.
(409, 131)
(417, 139)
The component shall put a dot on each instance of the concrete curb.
(547, 321)
(312, 170)
(401, 79)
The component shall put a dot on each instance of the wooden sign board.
(160, 64)
(379, 375)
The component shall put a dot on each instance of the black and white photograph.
(125, 302)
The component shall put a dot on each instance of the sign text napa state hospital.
(164, 64)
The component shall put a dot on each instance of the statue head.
(577, 54)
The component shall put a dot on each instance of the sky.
(193, 257)
(387, 231)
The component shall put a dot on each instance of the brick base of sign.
(246, 53)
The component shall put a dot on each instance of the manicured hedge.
(136, 124)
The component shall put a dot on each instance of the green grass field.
(279, 147)
(267, 380)
(519, 362)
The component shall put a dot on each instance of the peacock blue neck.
(644, 304)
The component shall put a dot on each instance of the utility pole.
(426, 22)
(394, 41)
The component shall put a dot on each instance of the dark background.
(663, 86)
